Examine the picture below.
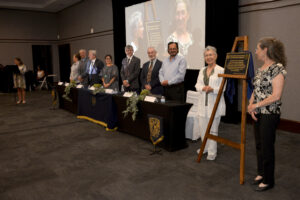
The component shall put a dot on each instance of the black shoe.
(256, 182)
(261, 189)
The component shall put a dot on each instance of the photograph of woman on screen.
(136, 27)
(181, 34)
(187, 37)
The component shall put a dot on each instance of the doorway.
(42, 56)
(64, 62)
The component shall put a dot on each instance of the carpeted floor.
(50, 155)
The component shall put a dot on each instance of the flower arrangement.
(68, 90)
(98, 88)
(132, 103)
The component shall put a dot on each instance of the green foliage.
(132, 103)
(68, 90)
(98, 88)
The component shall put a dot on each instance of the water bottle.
(162, 100)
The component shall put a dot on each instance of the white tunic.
(214, 82)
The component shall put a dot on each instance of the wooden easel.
(239, 146)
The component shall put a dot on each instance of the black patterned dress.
(263, 88)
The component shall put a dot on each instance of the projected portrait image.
(137, 31)
(158, 22)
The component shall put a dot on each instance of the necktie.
(149, 72)
(91, 67)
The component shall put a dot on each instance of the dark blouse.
(262, 83)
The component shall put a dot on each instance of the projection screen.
(155, 23)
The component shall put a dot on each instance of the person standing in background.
(130, 71)
(82, 66)
(172, 73)
(75, 68)
(265, 107)
(19, 80)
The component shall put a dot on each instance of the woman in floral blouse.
(265, 107)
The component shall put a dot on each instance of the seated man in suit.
(93, 69)
(130, 71)
(150, 73)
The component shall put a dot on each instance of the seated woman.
(208, 85)
(75, 68)
(40, 74)
(110, 74)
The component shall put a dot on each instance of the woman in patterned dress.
(19, 80)
(265, 107)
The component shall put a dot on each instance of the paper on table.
(79, 86)
(60, 83)
(150, 99)
(92, 88)
(128, 94)
(67, 84)
(109, 91)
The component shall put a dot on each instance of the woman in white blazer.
(208, 85)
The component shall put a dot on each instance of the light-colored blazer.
(75, 71)
(214, 82)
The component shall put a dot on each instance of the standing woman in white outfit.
(208, 85)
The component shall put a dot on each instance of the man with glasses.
(171, 74)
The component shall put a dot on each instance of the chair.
(44, 82)
(192, 128)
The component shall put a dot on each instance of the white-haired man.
(150, 73)
(93, 69)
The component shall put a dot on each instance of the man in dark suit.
(82, 66)
(130, 70)
(93, 69)
(150, 73)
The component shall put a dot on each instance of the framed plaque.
(237, 63)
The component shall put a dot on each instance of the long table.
(173, 115)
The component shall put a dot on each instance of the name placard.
(67, 84)
(92, 88)
(60, 83)
(79, 86)
(150, 99)
(109, 91)
(237, 63)
(127, 94)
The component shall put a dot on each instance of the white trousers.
(211, 145)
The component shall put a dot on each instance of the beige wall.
(22, 29)
(281, 20)
(75, 25)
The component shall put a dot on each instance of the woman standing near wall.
(19, 80)
(265, 107)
